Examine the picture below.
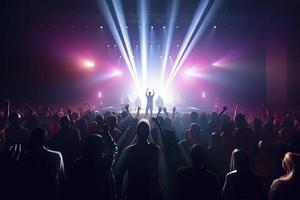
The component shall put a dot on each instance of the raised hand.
(160, 109)
(127, 107)
(165, 109)
(139, 108)
(174, 109)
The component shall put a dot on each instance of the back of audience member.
(42, 169)
(90, 176)
(141, 162)
(195, 182)
(15, 133)
(241, 182)
(67, 141)
(287, 186)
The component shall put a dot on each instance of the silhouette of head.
(239, 160)
(240, 121)
(194, 117)
(143, 129)
(94, 147)
(64, 122)
(14, 118)
(112, 121)
(149, 93)
(38, 137)
(291, 163)
(197, 156)
(82, 125)
(195, 131)
(100, 121)
(257, 124)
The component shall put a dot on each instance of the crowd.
(88, 154)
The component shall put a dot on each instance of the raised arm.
(166, 112)
(159, 111)
(29, 108)
(147, 92)
(138, 112)
(173, 114)
(127, 109)
(7, 108)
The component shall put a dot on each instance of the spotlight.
(115, 46)
(88, 64)
(177, 27)
(108, 45)
(203, 95)
(164, 27)
(215, 26)
(215, 64)
(99, 94)
(152, 27)
(116, 72)
(178, 45)
(101, 27)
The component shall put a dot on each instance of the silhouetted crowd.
(88, 154)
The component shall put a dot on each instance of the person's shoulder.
(231, 174)
(277, 183)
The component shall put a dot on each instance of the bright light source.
(116, 72)
(101, 27)
(152, 27)
(88, 64)
(193, 72)
(164, 27)
(215, 64)
(99, 94)
(203, 95)
(215, 26)
(108, 45)
(177, 27)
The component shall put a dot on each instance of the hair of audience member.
(291, 164)
(240, 121)
(82, 124)
(194, 117)
(14, 118)
(227, 127)
(203, 121)
(94, 147)
(38, 137)
(257, 124)
(64, 122)
(197, 155)
(195, 131)
(100, 120)
(239, 161)
(112, 121)
(143, 130)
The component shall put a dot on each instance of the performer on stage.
(149, 106)
(159, 103)
(137, 102)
